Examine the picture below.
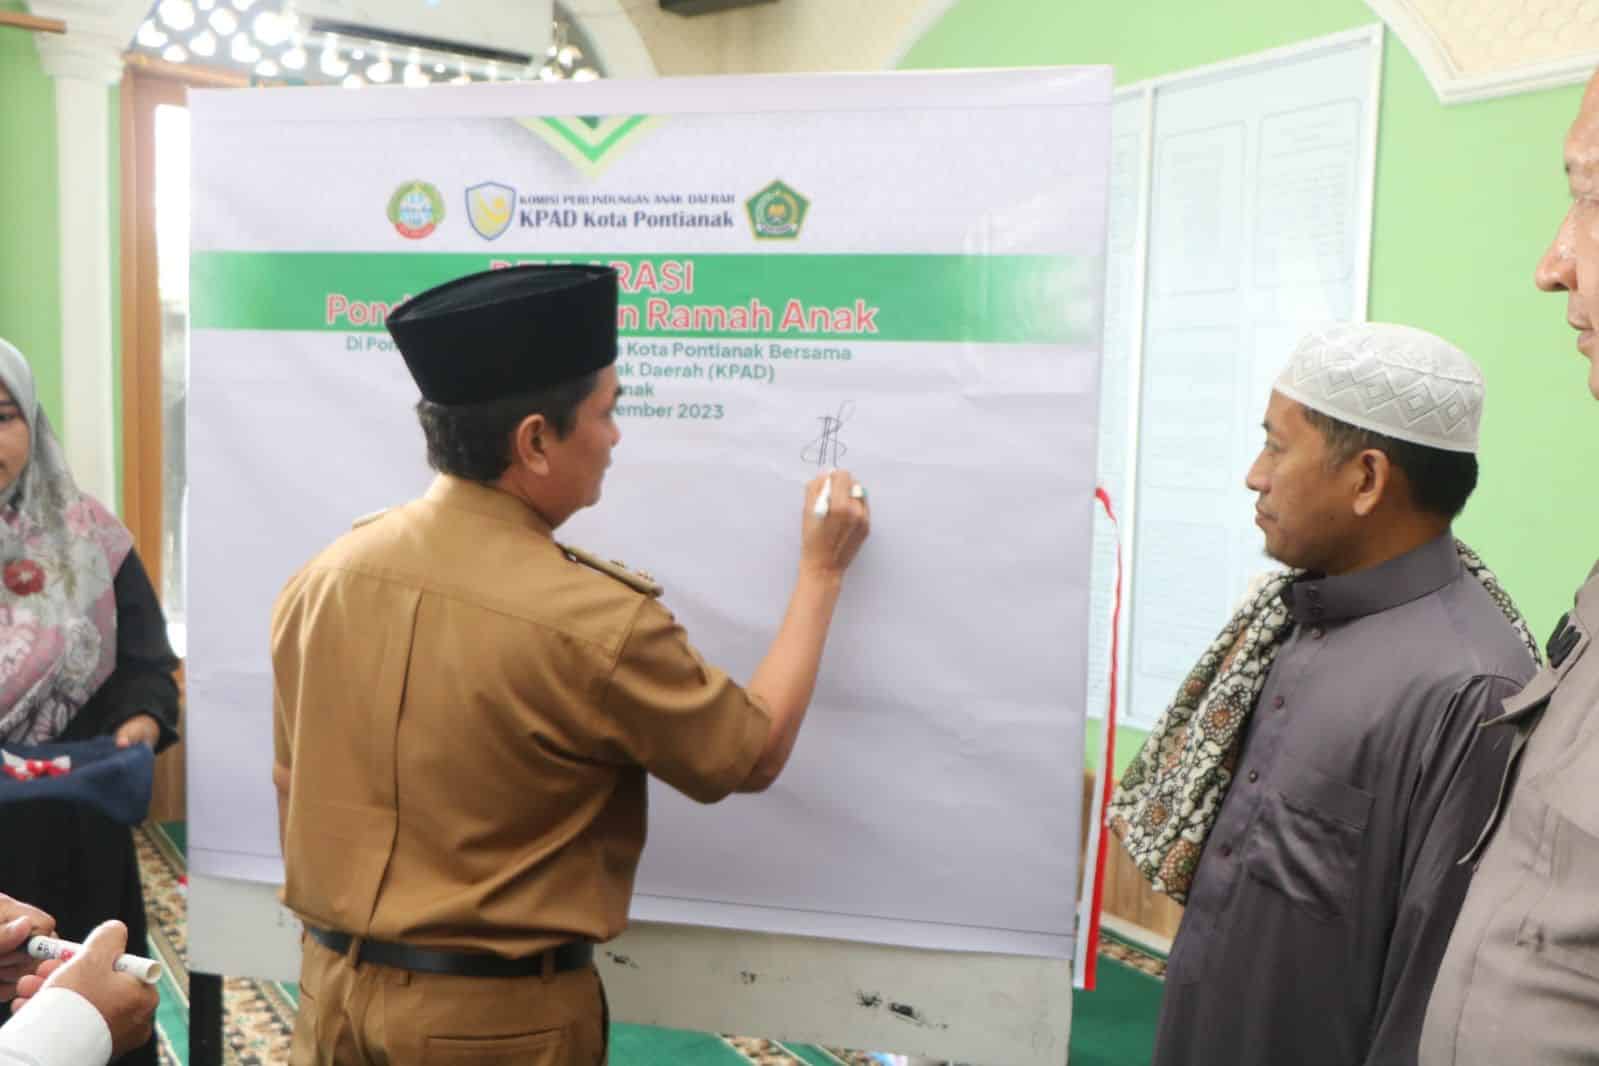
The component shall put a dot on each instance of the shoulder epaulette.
(633, 579)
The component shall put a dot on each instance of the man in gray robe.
(1327, 885)
(1520, 982)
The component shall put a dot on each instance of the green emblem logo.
(777, 212)
(416, 209)
(590, 143)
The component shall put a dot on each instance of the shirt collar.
(1317, 598)
(486, 500)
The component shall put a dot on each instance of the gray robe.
(1520, 982)
(1328, 887)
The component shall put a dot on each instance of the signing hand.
(140, 729)
(828, 544)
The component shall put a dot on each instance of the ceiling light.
(271, 39)
(243, 50)
(177, 14)
(270, 28)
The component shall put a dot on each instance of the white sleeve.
(58, 1027)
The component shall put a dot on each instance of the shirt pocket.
(1563, 925)
(1306, 842)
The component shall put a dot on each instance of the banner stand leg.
(205, 1019)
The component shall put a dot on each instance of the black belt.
(576, 955)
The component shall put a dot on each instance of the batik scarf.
(59, 554)
(1168, 799)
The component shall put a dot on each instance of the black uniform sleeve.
(142, 682)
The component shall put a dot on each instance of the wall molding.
(1427, 41)
(930, 15)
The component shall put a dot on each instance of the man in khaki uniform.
(466, 710)
(1520, 980)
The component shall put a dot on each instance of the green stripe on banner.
(994, 299)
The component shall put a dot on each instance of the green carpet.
(1114, 1025)
(1111, 1026)
(637, 1045)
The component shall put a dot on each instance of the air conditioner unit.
(707, 7)
(490, 28)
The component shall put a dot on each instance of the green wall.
(1467, 197)
(30, 256)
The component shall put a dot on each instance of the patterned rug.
(161, 870)
(259, 1015)
(1132, 955)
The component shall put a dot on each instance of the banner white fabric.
(900, 274)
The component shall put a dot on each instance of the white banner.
(901, 274)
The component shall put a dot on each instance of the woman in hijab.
(83, 654)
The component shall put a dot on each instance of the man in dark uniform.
(466, 710)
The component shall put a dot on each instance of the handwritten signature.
(826, 450)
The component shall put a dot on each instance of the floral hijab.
(60, 550)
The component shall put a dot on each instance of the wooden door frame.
(146, 85)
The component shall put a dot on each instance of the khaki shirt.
(1520, 981)
(465, 714)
